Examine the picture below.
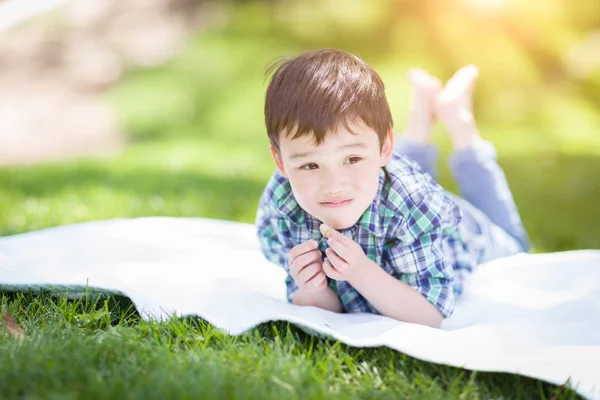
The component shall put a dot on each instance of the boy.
(396, 243)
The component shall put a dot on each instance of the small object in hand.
(325, 234)
(13, 328)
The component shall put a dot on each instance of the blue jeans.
(489, 209)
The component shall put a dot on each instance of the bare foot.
(454, 107)
(425, 89)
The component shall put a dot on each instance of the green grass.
(84, 349)
(198, 149)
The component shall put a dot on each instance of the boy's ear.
(388, 148)
(277, 159)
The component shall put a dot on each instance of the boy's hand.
(306, 267)
(345, 259)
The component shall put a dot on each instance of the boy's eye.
(354, 160)
(310, 166)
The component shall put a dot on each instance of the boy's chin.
(339, 225)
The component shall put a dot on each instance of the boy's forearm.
(326, 299)
(396, 299)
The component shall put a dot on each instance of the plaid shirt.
(411, 230)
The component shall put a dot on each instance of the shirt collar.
(286, 204)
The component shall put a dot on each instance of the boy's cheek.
(301, 187)
(303, 192)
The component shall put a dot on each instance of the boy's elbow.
(434, 318)
(432, 321)
(431, 317)
(436, 321)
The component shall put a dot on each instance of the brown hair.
(318, 90)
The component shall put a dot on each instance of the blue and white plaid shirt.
(412, 230)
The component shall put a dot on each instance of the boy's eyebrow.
(359, 145)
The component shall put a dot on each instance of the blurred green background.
(197, 147)
(197, 144)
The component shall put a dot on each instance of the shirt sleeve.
(415, 255)
(275, 241)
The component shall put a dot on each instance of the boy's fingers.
(336, 261)
(319, 280)
(302, 248)
(340, 251)
(303, 260)
(309, 272)
(324, 229)
(332, 233)
(330, 271)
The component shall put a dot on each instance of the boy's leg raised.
(481, 180)
(483, 184)
(415, 142)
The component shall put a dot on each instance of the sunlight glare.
(489, 4)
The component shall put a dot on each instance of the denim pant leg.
(423, 154)
(483, 184)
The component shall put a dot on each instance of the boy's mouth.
(336, 203)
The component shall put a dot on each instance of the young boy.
(396, 242)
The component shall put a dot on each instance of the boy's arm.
(420, 287)
(399, 300)
(326, 299)
(415, 283)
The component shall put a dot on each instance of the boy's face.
(336, 181)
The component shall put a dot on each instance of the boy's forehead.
(342, 133)
(335, 141)
(332, 140)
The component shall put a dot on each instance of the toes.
(424, 82)
(463, 80)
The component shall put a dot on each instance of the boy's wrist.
(362, 278)
(326, 299)
(311, 290)
(307, 294)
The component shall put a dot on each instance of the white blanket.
(535, 315)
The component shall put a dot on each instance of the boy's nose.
(333, 194)
(334, 185)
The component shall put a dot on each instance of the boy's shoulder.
(406, 184)
(278, 199)
(278, 189)
(411, 201)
